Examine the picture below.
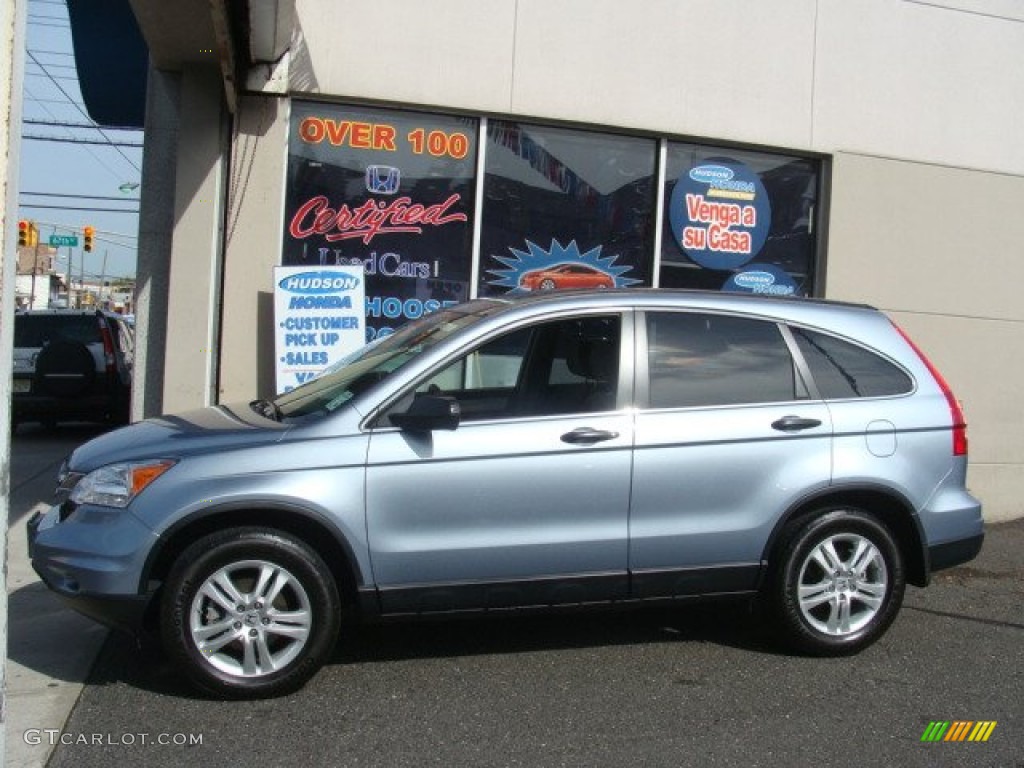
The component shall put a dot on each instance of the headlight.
(115, 485)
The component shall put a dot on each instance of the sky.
(66, 176)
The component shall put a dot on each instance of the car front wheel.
(250, 613)
(840, 582)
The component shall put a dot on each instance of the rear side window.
(706, 360)
(39, 330)
(843, 370)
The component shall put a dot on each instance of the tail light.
(108, 348)
(955, 411)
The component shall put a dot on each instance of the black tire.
(239, 644)
(864, 582)
(65, 369)
(547, 284)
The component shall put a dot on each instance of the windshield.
(376, 361)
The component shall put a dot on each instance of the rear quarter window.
(843, 370)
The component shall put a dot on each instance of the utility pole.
(81, 280)
(35, 264)
(71, 275)
(103, 278)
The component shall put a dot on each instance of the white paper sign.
(319, 317)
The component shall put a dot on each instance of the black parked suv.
(71, 365)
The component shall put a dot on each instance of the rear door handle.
(795, 424)
(588, 436)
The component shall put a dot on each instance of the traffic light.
(87, 233)
(24, 233)
(33, 234)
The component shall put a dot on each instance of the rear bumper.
(953, 553)
(90, 407)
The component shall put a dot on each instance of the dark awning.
(112, 61)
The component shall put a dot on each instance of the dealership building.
(864, 151)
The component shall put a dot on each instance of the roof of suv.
(696, 297)
(33, 328)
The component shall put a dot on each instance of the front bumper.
(93, 562)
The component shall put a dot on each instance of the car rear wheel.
(250, 613)
(840, 582)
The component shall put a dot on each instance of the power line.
(89, 197)
(57, 226)
(93, 126)
(65, 102)
(86, 116)
(47, 74)
(88, 149)
(71, 208)
(62, 66)
(64, 140)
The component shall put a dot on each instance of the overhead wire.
(85, 114)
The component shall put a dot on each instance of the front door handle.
(795, 424)
(588, 436)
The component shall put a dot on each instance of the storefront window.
(391, 191)
(394, 191)
(564, 209)
(738, 220)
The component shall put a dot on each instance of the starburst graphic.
(536, 258)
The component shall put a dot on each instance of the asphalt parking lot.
(701, 685)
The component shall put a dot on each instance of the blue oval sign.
(762, 278)
(720, 214)
(705, 174)
(319, 283)
(754, 279)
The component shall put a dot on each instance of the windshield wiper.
(267, 408)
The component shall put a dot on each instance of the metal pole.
(103, 278)
(81, 280)
(71, 273)
(35, 264)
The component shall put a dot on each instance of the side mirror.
(427, 413)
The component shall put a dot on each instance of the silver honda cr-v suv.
(563, 449)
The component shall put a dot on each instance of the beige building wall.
(194, 283)
(938, 248)
(915, 102)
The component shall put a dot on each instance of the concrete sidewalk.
(50, 647)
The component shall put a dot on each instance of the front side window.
(555, 368)
(375, 362)
(707, 360)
